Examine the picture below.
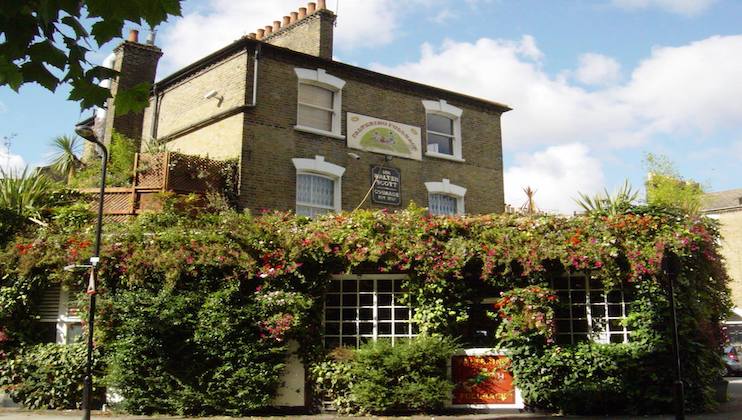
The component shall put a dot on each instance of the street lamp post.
(88, 134)
(671, 268)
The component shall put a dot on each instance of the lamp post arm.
(101, 197)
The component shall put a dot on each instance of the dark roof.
(723, 200)
(245, 42)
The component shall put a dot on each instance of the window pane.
(350, 300)
(332, 328)
(334, 286)
(401, 314)
(597, 311)
(385, 328)
(349, 328)
(366, 314)
(384, 285)
(315, 118)
(366, 300)
(384, 299)
(350, 342)
(366, 285)
(440, 124)
(440, 204)
(332, 314)
(401, 328)
(614, 310)
(440, 144)
(366, 328)
(349, 314)
(315, 190)
(385, 314)
(332, 299)
(315, 95)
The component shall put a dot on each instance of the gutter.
(208, 120)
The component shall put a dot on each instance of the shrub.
(379, 377)
(48, 376)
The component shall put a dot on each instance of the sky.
(594, 85)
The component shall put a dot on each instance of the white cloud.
(9, 162)
(598, 69)
(3, 108)
(220, 22)
(557, 174)
(681, 7)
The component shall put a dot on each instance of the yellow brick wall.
(731, 232)
(184, 104)
(221, 140)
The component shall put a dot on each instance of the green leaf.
(134, 100)
(46, 52)
(89, 94)
(34, 71)
(76, 26)
(10, 74)
(106, 30)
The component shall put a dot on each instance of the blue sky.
(594, 84)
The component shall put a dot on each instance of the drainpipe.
(255, 76)
(155, 114)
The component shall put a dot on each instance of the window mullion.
(376, 310)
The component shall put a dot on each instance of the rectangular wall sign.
(382, 136)
(483, 380)
(388, 187)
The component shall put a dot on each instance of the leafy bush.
(380, 377)
(119, 170)
(192, 352)
(48, 376)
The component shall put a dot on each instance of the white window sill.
(318, 131)
(444, 156)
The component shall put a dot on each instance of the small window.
(314, 195)
(442, 205)
(364, 308)
(587, 311)
(440, 134)
(315, 107)
(443, 130)
(319, 102)
(318, 186)
(444, 198)
(58, 319)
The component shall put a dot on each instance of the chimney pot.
(321, 4)
(133, 36)
(311, 7)
(276, 25)
(286, 21)
(260, 33)
(302, 13)
(268, 30)
(294, 17)
(252, 35)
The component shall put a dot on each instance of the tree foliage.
(667, 188)
(606, 203)
(46, 42)
(65, 160)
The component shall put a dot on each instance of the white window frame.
(593, 333)
(445, 187)
(64, 322)
(320, 78)
(443, 108)
(375, 335)
(319, 167)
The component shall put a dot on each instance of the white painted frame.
(518, 404)
(445, 187)
(320, 78)
(443, 108)
(318, 166)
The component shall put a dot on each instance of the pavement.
(730, 410)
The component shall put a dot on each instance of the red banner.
(482, 380)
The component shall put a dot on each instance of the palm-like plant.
(609, 204)
(25, 193)
(65, 160)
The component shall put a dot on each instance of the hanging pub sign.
(387, 188)
(483, 380)
(382, 136)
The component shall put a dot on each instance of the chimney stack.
(309, 30)
(133, 36)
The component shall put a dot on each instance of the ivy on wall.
(181, 252)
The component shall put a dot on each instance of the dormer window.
(443, 130)
(319, 102)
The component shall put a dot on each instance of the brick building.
(726, 207)
(308, 131)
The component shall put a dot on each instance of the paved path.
(730, 410)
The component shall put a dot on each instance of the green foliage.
(65, 160)
(666, 188)
(120, 168)
(10, 223)
(46, 42)
(379, 377)
(24, 193)
(182, 322)
(608, 204)
(525, 312)
(192, 352)
(48, 376)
